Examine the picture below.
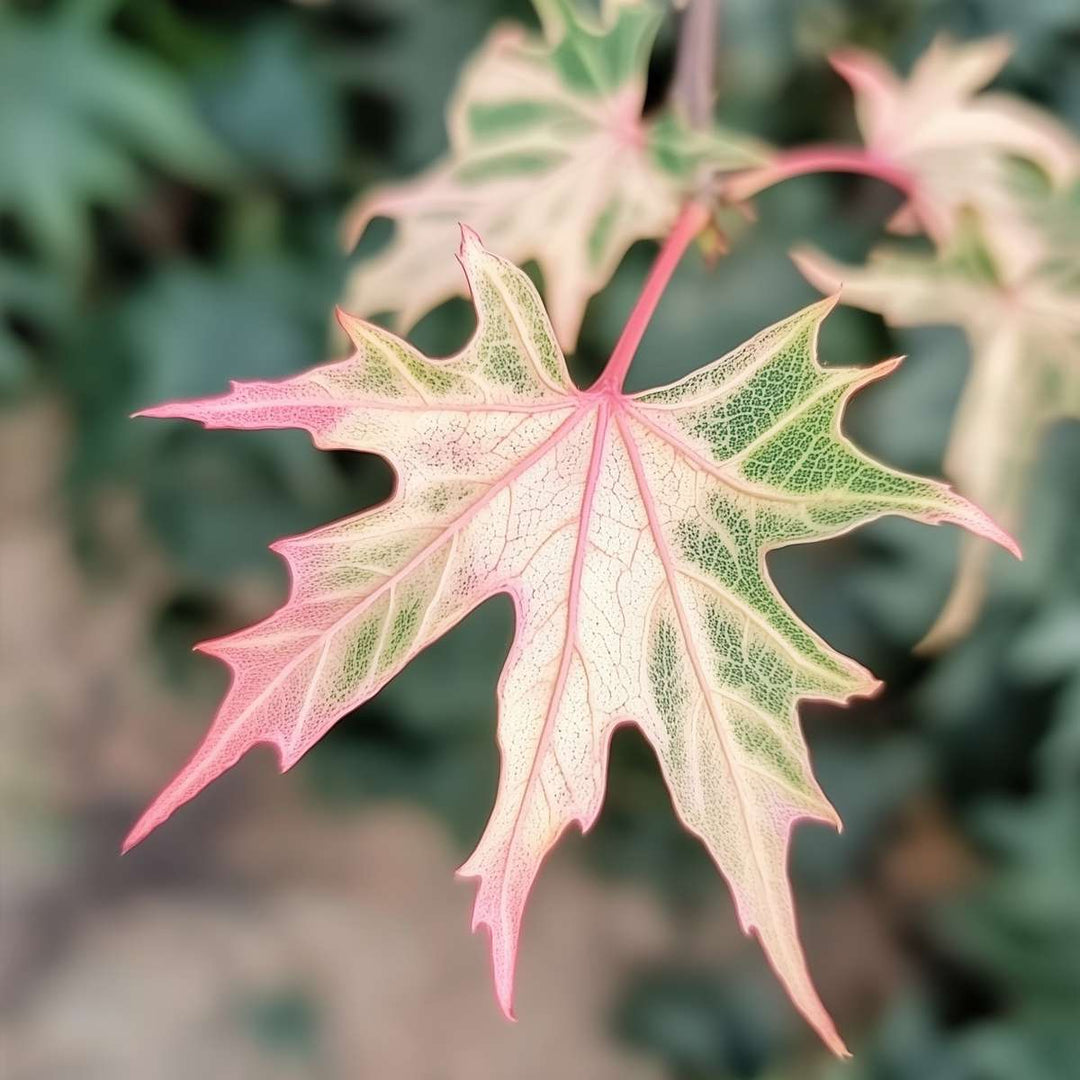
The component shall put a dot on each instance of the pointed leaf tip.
(470, 238)
(505, 998)
(829, 303)
(976, 520)
(1006, 540)
(137, 834)
(169, 410)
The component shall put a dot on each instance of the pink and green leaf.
(551, 158)
(631, 533)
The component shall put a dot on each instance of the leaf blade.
(631, 534)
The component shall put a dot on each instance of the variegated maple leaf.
(552, 124)
(1023, 326)
(630, 532)
(947, 145)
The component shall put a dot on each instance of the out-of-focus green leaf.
(178, 336)
(908, 1045)
(867, 781)
(411, 59)
(1023, 927)
(1036, 1047)
(78, 110)
(278, 109)
(29, 296)
(704, 1025)
(1049, 649)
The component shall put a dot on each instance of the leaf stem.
(690, 222)
(693, 87)
(816, 159)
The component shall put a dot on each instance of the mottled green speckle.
(535, 328)
(758, 740)
(356, 659)
(729, 556)
(402, 630)
(735, 420)
(666, 679)
(807, 457)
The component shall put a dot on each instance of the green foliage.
(78, 107)
(274, 88)
(222, 154)
(174, 336)
(35, 300)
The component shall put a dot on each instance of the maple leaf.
(552, 123)
(1023, 327)
(630, 532)
(947, 145)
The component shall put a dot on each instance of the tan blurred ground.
(164, 965)
(155, 966)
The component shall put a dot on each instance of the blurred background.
(172, 178)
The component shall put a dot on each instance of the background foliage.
(172, 177)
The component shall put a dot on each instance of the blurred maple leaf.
(1023, 326)
(551, 160)
(948, 146)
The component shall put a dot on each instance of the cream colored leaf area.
(630, 531)
(956, 140)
